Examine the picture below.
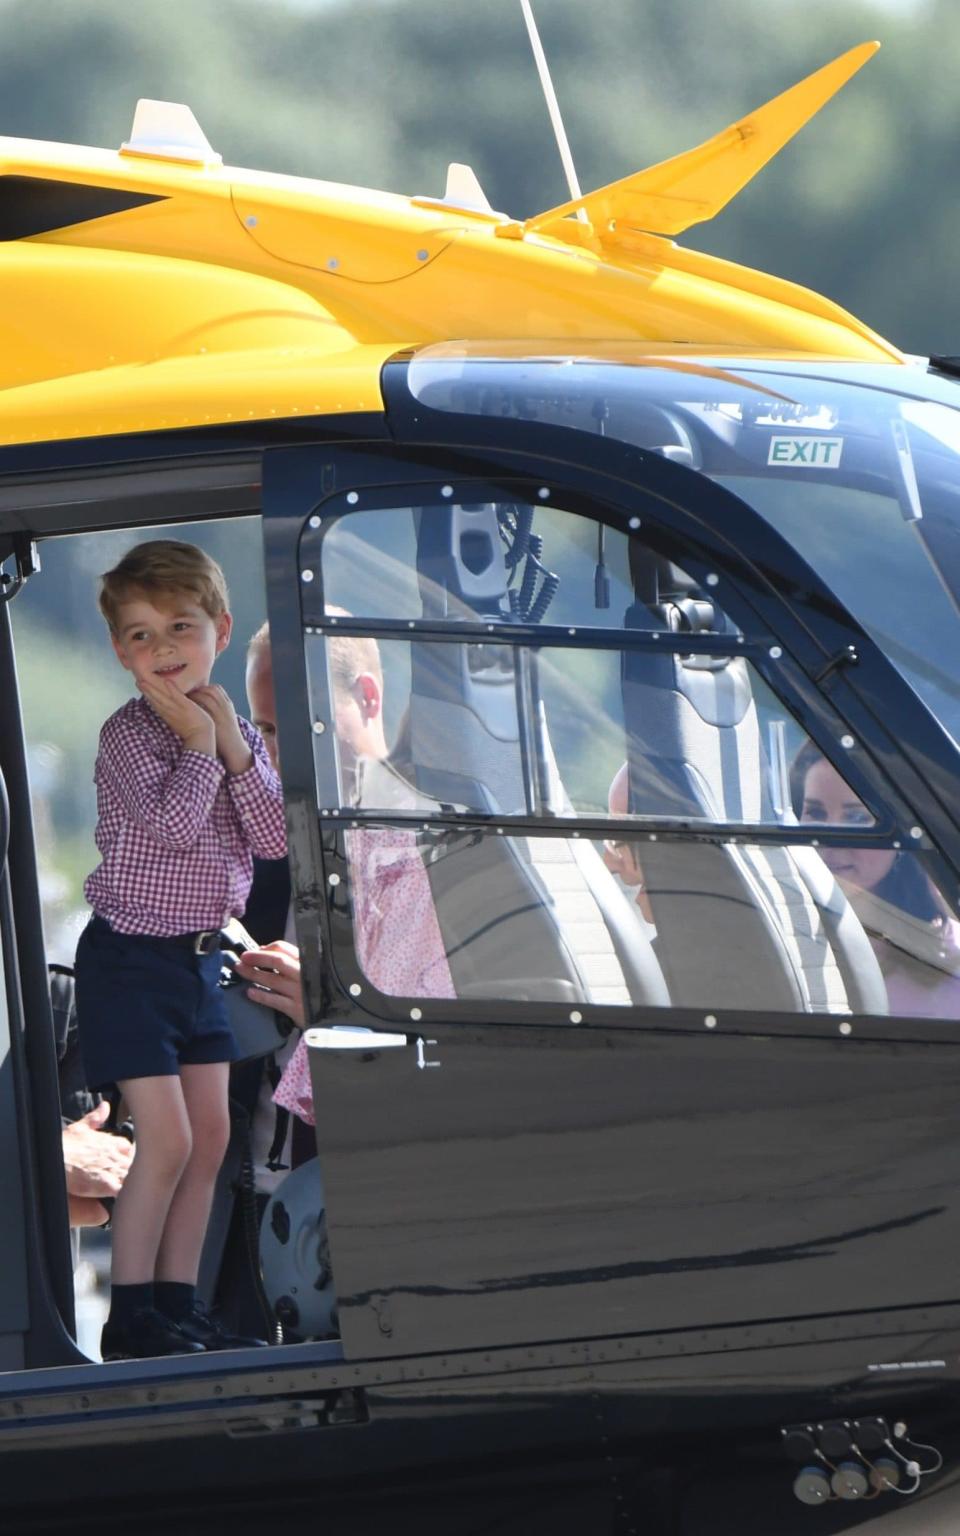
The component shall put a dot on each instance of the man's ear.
(370, 696)
(224, 631)
(119, 652)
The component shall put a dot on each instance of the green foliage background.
(862, 206)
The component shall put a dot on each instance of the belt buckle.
(202, 942)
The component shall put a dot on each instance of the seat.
(738, 926)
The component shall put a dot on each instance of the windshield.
(861, 475)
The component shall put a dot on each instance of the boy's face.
(179, 641)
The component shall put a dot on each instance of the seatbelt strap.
(275, 1155)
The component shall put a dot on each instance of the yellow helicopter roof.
(153, 288)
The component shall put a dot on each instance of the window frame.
(301, 490)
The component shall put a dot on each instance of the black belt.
(204, 943)
(201, 943)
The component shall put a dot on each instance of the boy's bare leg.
(205, 1098)
(163, 1150)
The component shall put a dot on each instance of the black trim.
(151, 478)
(35, 205)
(33, 1047)
(68, 455)
(944, 364)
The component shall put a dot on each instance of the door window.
(544, 743)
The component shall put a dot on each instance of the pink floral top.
(398, 938)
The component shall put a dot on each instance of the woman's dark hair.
(905, 885)
(807, 757)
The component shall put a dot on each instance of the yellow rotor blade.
(687, 189)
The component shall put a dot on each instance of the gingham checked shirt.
(176, 831)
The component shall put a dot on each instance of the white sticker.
(806, 452)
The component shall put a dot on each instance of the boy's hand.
(192, 724)
(231, 748)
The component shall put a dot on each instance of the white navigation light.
(168, 130)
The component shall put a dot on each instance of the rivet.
(422, 255)
(411, 623)
(355, 989)
(634, 522)
(776, 652)
(251, 221)
(847, 741)
(916, 831)
(544, 493)
(352, 498)
(652, 838)
(333, 879)
(318, 727)
(446, 490)
(333, 264)
(416, 1013)
(897, 843)
(846, 1028)
(710, 1021)
(306, 575)
(571, 631)
(712, 579)
(314, 521)
(576, 1017)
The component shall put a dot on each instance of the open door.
(614, 1035)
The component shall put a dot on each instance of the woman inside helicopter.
(914, 937)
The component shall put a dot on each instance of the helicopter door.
(605, 1046)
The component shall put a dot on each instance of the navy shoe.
(145, 1334)
(205, 1331)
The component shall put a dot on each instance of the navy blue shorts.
(146, 1007)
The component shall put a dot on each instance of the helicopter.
(661, 558)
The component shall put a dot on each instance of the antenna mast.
(553, 107)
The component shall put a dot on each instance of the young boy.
(186, 794)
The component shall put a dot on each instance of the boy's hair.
(161, 569)
(349, 655)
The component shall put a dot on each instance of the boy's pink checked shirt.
(176, 832)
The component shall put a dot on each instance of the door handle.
(350, 1037)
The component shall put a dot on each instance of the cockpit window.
(497, 726)
(488, 695)
(862, 476)
(502, 729)
(509, 561)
